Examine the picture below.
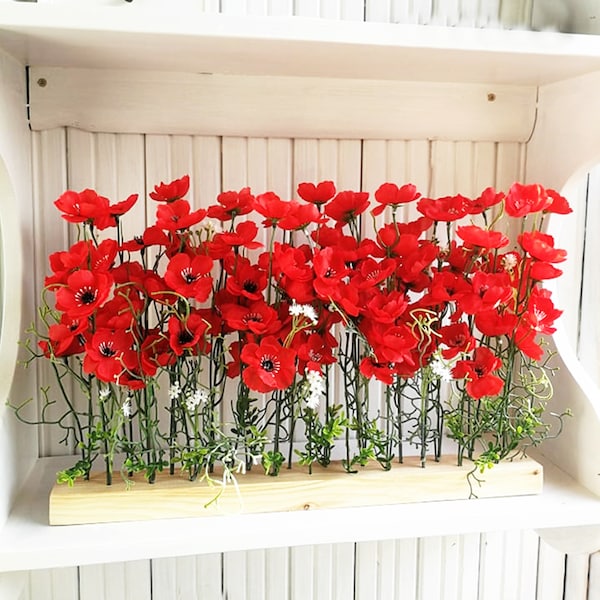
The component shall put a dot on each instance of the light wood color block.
(175, 496)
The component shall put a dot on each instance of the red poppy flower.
(488, 198)
(152, 236)
(189, 276)
(386, 307)
(457, 339)
(232, 204)
(109, 353)
(526, 199)
(389, 194)
(390, 344)
(330, 269)
(258, 318)
(540, 270)
(187, 334)
(475, 236)
(83, 293)
(65, 338)
(370, 272)
(272, 207)
(479, 373)
(300, 216)
(269, 366)
(243, 237)
(81, 207)
(541, 246)
(384, 372)
(315, 352)
(541, 312)
(169, 192)
(496, 322)
(346, 206)
(448, 208)
(248, 281)
(490, 290)
(447, 286)
(525, 340)
(559, 204)
(317, 194)
(176, 215)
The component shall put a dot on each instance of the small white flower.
(127, 408)
(295, 309)
(104, 393)
(316, 388)
(174, 391)
(305, 310)
(195, 399)
(509, 261)
(441, 369)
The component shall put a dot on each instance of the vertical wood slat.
(576, 579)
(550, 573)
(50, 234)
(185, 577)
(117, 581)
(54, 584)
(594, 577)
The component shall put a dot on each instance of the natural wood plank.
(212, 104)
(175, 496)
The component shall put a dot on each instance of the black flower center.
(269, 363)
(86, 295)
(185, 337)
(250, 286)
(188, 275)
(107, 349)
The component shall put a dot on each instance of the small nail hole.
(491, 97)
(42, 82)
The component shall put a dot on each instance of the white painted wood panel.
(186, 577)
(576, 578)
(594, 577)
(118, 581)
(238, 105)
(54, 584)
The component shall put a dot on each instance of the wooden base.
(175, 496)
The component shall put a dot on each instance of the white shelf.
(144, 36)
(28, 542)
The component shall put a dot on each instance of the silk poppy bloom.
(108, 353)
(258, 318)
(447, 209)
(541, 247)
(232, 204)
(457, 338)
(523, 200)
(169, 192)
(187, 333)
(272, 207)
(247, 281)
(488, 198)
(86, 206)
(243, 237)
(477, 237)
(389, 194)
(300, 216)
(559, 205)
(317, 194)
(381, 371)
(65, 338)
(177, 215)
(83, 293)
(479, 373)
(269, 366)
(314, 352)
(346, 206)
(189, 276)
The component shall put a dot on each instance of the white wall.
(18, 445)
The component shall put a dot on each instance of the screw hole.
(42, 82)
(491, 97)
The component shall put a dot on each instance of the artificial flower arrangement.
(195, 346)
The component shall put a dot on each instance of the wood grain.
(175, 496)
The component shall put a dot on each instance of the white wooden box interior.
(120, 98)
